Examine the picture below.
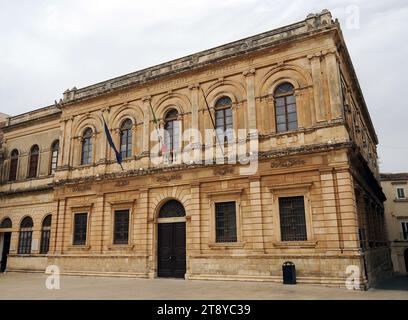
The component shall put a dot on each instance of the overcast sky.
(49, 46)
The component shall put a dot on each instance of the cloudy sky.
(49, 46)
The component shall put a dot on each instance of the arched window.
(172, 135)
(13, 165)
(6, 224)
(285, 108)
(86, 157)
(33, 163)
(223, 119)
(54, 156)
(45, 235)
(26, 235)
(126, 138)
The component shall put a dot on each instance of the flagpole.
(213, 123)
(155, 122)
(112, 145)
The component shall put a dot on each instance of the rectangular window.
(404, 225)
(225, 222)
(45, 241)
(24, 242)
(121, 227)
(362, 238)
(80, 226)
(292, 219)
(400, 193)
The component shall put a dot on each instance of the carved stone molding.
(169, 178)
(287, 163)
(223, 171)
(248, 73)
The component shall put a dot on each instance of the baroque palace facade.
(313, 199)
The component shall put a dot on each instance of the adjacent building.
(395, 186)
(289, 175)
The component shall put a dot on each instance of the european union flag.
(112, 145)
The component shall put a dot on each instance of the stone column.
(193, 226)
(256, 213)
(320, 107)
(194, 106)
(103, 154)
(333, 78)
(67, 140)
(146, 124)
(250, 86)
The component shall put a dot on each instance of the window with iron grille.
(33, 162)
(13, 165)
(126, 139)
(25, 236)
(80, 228)
(292, 219)
(45, 235)
(54, 157)
(121, 227)
(285, 108)
(225, 222)
(86, 157)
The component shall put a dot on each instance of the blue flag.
(112, 145)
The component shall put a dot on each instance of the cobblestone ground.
(32, 286)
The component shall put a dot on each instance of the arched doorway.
(5, 238)
(406, 260)
(171, 240)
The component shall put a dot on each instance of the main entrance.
(5, 250)
(171, 244)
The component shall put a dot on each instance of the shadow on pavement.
(395, 283)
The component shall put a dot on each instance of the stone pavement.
(32, 286)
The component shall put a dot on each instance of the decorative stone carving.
(169, 178)
(81, 188)
(223, 171)
(287, 163)
(122, 183)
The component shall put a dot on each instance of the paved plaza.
(32, 286)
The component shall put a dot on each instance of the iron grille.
(6, 223)
(225, 221)
(292, 219)
(121, 227)
(80, 226)
(171, 209)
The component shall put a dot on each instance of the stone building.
(395, 186)
(305, 187)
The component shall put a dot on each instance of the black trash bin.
(289, 273)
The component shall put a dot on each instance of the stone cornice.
(314, 23)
